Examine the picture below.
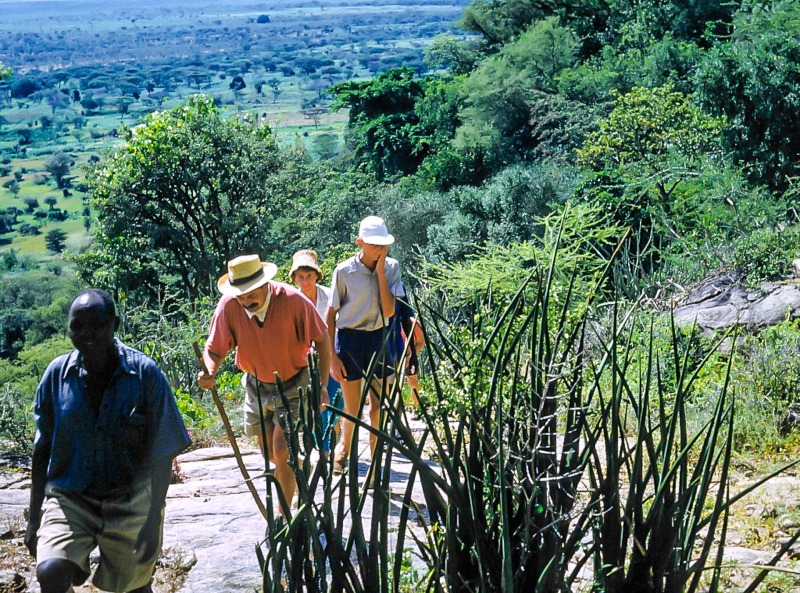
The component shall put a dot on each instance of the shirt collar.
(261, 314)
(358, 265)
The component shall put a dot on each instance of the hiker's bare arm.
(212, 362)
(387, 298)
(322, 345)
(337, 370)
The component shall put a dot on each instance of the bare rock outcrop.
(722, 302)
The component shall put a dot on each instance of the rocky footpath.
(212, 525)
(211, 529)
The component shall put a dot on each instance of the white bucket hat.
(373, 231)
(245, 273)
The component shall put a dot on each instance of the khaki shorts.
(272, 408)
(75, 524)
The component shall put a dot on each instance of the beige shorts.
(272, 408)
(75, 524)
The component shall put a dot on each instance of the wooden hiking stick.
(231, 437)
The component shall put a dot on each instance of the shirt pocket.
(135, 433)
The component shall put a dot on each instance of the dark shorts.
(360, 349)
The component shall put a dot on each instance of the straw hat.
(305, 258)
(373, 231)
(245, 273)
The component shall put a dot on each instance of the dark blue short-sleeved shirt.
(138, 423)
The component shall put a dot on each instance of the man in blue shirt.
(107, 429)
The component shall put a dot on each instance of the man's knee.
(279, 452)
(57, 575)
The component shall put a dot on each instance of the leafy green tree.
(500, 21)
(22, 88)
(655, 151)
(499, 212)
(497, 120)
(90, 104)
(382, 123)
(55, 241)
(456, 55)
(5, 72)
(59, 166)
(339, 200)
(57, 100)
(752, 79)
(13, 187)
(327, 146)
(31, 204)
(22, 300)
(187, 190)
(437, 111)
(237, 83)
(642, 61)
(10, 260)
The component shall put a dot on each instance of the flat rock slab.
(212, 523)
(212, 516)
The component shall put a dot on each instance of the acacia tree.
(650, 145)
(187, 190)
(55, 241)
(58, 166)
(382, 127)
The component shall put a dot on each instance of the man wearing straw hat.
(272, 327)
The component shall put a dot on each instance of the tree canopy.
(186, 191)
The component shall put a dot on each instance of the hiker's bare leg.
(269, 429)
(279, 455)
(351, 393)
(375, 409)
(57, 575)
(413, 383)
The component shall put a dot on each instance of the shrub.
(568, 454)
(766, 254)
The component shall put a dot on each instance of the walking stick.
(229, 431)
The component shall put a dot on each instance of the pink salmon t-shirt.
(280, 345)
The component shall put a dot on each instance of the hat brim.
(294, 268)
(226, 288)
(387, 240)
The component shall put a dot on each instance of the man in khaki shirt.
(363, 291)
